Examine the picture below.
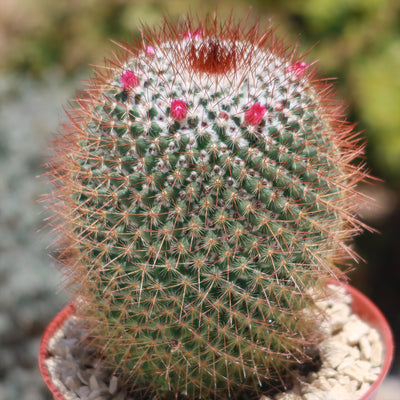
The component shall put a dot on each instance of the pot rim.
(361, 305)
(44, 353)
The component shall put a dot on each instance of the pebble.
(363, 389)
(72, 383)
(342, 392)
(113, 387)
(365, 348)
(316, 395)
(83, 392)
(333, 352)
(338, 316)
(322, 383)
(325, 371)
(287, 396)
(376, 348)
(357, 370)
(354, 330)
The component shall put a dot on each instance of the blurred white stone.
(322, 383)
(342, 392)
(355, 329)
(326, 372)
(113, 386)
(363, 389)
(317, 395)
(333, 352)
(376, 348)
(288, 396)
(338, 316)
(356, 369)
(365, 347)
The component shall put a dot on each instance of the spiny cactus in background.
(204, 190)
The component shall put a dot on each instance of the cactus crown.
(203, 189)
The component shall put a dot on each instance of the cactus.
(204, 194)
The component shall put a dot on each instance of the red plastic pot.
(370, 313)
(361, 305)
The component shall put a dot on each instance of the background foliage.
(45, 49)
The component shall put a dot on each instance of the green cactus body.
(205, 189)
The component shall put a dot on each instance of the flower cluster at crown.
(161, 79)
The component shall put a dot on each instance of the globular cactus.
(205, 192)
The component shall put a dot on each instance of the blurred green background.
(45, 49)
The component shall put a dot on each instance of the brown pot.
(361, 305)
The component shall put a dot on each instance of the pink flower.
(178, 109)
(297, 68)
(196, 34)
(129, 80)
(254, 115)
(150, 52)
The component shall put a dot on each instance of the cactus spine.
(204, 189)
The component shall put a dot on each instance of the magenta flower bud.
(297, 68)
(129, 80)
(196, 34)
(254, 115)
(178, 109)
(150, 52)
